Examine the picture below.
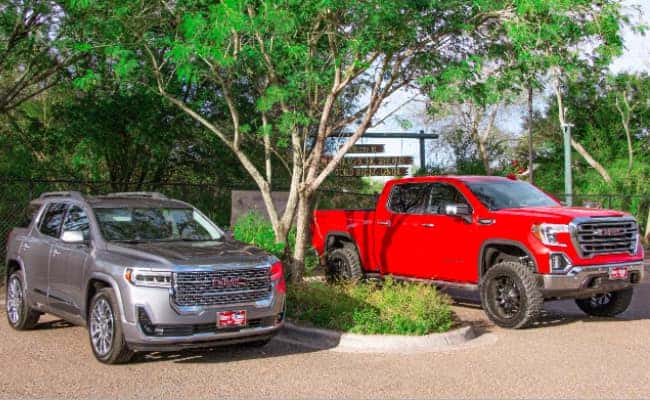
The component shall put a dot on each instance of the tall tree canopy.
(287, 75)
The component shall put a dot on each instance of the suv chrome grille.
(606, 236)
(221, 287)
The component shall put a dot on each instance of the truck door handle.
(26, 246)
(385, 223)
(55, 252)
(427, 225)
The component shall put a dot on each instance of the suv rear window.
(52, 219)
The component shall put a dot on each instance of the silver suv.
(143, 272)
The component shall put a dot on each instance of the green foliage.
(392, 308)
(254, 229)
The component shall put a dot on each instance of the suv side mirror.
(459, 210)
(72, 237)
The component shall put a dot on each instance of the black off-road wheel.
(19, 315)
(105, 329)
(608, 304)
(510, 296)
(343, 264)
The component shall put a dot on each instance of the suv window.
(443, 195)
(409, 198)
(51, 223)
(77, 220)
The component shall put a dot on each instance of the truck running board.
(470, 287)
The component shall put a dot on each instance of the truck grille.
(613, 235)
(221, 287)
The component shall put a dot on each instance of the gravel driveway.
(567, 356)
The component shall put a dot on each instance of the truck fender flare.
(503, 242)
(116, 288)
(340, 234)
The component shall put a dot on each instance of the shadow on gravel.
(224, 354)
(56, 324)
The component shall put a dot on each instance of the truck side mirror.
(459, 210)
(72, 237)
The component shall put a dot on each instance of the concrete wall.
(244, 201)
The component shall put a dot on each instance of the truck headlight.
(148, 277)
(547, 233)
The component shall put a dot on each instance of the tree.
(291, 75)
(35, 49)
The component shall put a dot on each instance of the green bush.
(254, 229)
(392, 308)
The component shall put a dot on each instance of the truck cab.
(505, 238)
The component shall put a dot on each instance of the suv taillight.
(277, 275)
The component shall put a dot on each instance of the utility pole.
(568, 178)
(531, 155)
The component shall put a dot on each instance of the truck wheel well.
(338, 241)
(93, 287)
(496, 253)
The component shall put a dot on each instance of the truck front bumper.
(587, 281)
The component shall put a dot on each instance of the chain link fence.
(215, 200)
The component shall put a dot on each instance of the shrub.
(254, 229)
(392, 308)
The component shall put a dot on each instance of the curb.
(324, 339)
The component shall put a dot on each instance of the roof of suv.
(122, 199)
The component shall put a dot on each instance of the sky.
(636, 58)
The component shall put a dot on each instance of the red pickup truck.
(505, 238)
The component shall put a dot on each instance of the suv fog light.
(559, 263)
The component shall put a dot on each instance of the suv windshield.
(510, 194)
(155, 224)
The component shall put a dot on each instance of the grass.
(367, 308)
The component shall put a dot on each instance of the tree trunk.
(531, 154)
(302, 237)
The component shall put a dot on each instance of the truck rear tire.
(343, 264)
(510, 296)
(607, 305)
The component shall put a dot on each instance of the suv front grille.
(221, 287)
(606, 236)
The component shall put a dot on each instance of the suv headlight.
(148, 277)
(547, 233)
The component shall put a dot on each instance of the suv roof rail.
(72, 194)
(153, 195)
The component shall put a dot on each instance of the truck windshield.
(155, 224)
(510, 194)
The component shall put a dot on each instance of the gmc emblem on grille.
(609, 231)
(228, 283)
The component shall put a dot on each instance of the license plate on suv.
(231, 319)
(618, 273)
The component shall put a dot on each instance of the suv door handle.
(385, 223)
(26, 246)
(427, 225)
(55, 253)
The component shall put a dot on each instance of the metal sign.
(367, 148)
(372, 171)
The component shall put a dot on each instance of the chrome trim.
(573, 232)
(577, 277)
(193, 310)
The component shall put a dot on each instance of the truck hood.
(559, 213)
(193, 253)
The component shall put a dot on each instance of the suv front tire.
(105, 329)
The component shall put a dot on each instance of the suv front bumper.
(174, 329)
(586, 281)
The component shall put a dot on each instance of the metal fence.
(215, 200)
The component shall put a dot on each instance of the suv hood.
(193, 253)
(560, 213)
